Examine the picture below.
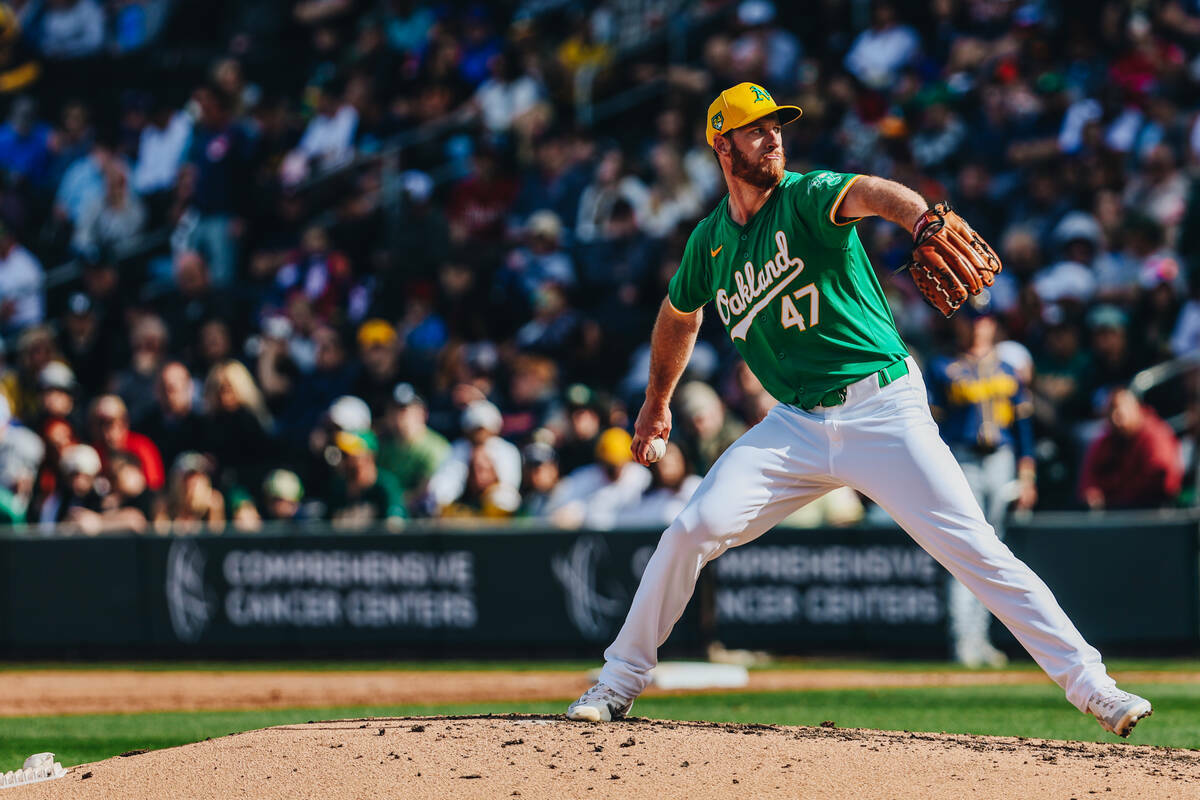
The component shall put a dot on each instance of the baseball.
(658, 449)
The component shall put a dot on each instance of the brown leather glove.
(950, 261)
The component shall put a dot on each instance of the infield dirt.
(47, 691)
(545, 757)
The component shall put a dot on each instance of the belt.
(888, 374)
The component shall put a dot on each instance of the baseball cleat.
(599, 704)
(1118, 711)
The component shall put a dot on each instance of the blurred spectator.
(509, 97)
(671, 487)
(379, 353)
(577, 447)
(610, 184)
(541, 260)
(57, 386)
(594, 496)
(173, 423)
(85, 344)
(328, 141)
(82, 183)
(540, 479)
(22, 297)
(108, 424)
(24, 142)
(481, 423)
(1112, 360)
(19, 65)
(128, 505)
(882, 50)
(480, 203)
(79, 468)
(317, 275)
(1185, 339)
(21, 452)
(214, 181)
(1135, 463)
(72, 29)
(193, 300)
(282, 493)
(361, 494)
(707, 427)
(161, 149)
(409, 449)
(483, 494)
(237, 427)
(35, 349)
(193, 504)
(764, 51)
(114, 219)
(148, 352)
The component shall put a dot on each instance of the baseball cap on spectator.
(417, 185)
(81, 458)
(612, 448)
(537, 453)
(579, 396)
(544, 223)
(350, 413)
(404, 395)
(357, 443)
(56, 375)
(283, 484)
(1016, 355)
(481, 357)
(190, 462)
(695, 398)
(1078, 225)
(481, 414)
(375, 333)
(1106, 316)
(755, 12)
(277, 326)
(79, 304)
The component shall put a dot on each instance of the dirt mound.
(547, 757)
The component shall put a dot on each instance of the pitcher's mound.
(548, 757)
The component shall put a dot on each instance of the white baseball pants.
(882, 442)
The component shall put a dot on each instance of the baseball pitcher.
(782, 263)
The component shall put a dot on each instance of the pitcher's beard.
(762, 175)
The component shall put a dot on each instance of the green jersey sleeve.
(691, 286)
(817, 196)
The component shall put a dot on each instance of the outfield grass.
(1033, 711)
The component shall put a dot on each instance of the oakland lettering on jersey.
(750, 286)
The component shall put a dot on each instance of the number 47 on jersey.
(789, 316)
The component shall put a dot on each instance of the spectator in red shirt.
(108, 421)
(1135, 463)
(480, 203)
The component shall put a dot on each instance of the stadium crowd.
(409, 252)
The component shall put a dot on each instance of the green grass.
(1033, 711)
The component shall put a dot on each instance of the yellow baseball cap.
(612, 448)
(743, 104)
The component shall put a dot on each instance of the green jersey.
(794, 289)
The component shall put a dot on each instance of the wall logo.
(590, 611)
(188, 603)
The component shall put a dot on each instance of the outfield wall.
(1125, 581)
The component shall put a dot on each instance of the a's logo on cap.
(718, 120)
(760, 94)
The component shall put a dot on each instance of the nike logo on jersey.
(713, 253)
(754, 291)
